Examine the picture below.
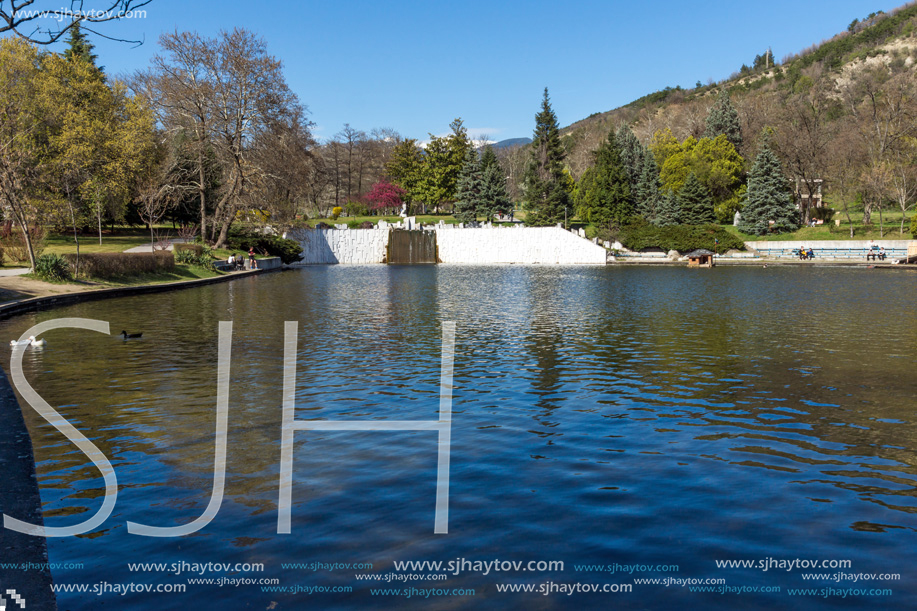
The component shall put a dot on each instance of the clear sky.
(415, 66)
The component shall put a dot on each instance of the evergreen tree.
(647, 196)
(723, 119)
(768, 198)
(494, 196)
(405, 168)
(605, 194)
(469, 188)
(668, 210)
(631, 155)
(79, 48)
(695, 206)
(545, 194)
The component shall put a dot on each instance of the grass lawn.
(832, 232)
(118, 240)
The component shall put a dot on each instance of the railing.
(830, 253)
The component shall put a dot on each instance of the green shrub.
(823, 214)
(640, 235)
(914, 225)
(197, 255)
(120, 264)
(53, 268)
(356, 209)
(197, 249)
(289, 251)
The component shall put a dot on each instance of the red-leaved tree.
(385, 197)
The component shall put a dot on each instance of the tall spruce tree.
(469, 188)
(605, 194)
(724, 119)
(647, 196)
(695, 206)
(631, 155)
(769, 198)
(668, 210)
(79, 48)
(545, 193)
(494, 196)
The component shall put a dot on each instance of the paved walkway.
(149, 247)
(14, 271)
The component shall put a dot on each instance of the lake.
(634, 424)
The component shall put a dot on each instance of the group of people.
(806, 253)
(238, 261)
(875, 253)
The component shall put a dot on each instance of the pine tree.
(494, 196)
(605, 194)
(768, 198)
(647, 196)
(79, 48)
(546, 197)
(631, 155)
(695, 206)
(469, 188)
(723, 119)
(668, 210)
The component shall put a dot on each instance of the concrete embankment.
(19, 498)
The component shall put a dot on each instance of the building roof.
(700, 252)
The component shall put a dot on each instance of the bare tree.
(802, 139)
(884, 107)
(28, 19)
(154, 203)
(179, 89)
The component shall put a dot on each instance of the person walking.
(251, 258)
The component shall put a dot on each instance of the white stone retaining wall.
(353, 246)
(525, 245)
(483, 245)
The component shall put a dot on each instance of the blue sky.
(415, 66)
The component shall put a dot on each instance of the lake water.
(601, 416)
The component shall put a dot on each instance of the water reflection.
(600, 415)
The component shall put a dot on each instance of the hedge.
(115, 264)
(683, 238)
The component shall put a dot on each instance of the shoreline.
(31, 304)
(634, 261)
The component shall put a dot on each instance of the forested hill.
(814, 98)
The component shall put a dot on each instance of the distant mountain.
(511, 142)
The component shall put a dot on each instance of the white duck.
(36, 343)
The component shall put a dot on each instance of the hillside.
(883, 37)
(842, 114)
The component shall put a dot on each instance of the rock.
(673, 255)
(366, 225)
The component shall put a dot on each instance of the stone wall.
(477, 246)
(354, 246)
(525, 245)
